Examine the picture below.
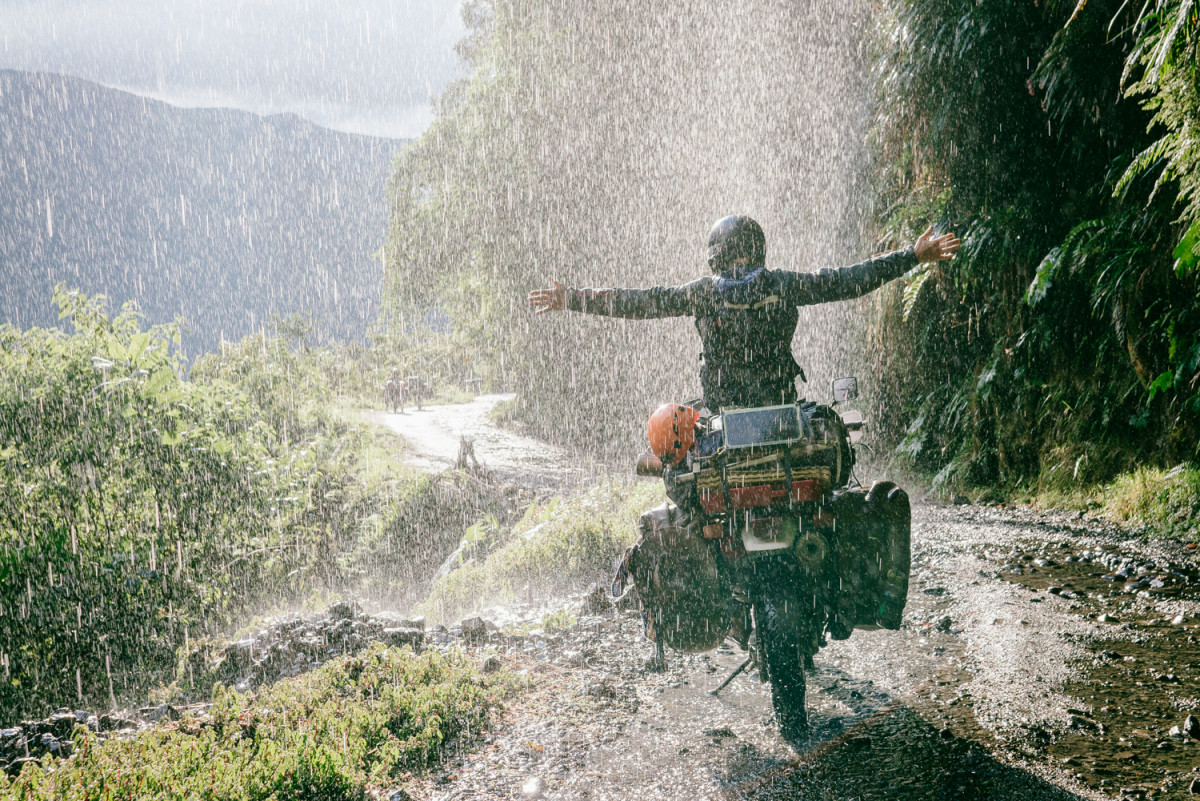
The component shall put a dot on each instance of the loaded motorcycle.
(769, 539)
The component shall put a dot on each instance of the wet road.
(1026, 668)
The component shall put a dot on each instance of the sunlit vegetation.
(140, 509)
(371, 720)
(1060, 138)
(1159, 502)
(563, 545)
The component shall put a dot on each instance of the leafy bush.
(139, 510)
(1165, 502)
(366, 720)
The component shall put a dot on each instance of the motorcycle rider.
(747, 316)
(745, 313)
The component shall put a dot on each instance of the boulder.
(343, 610)
(475, 629)
(403, 635)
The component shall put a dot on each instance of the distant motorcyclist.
(745, 313)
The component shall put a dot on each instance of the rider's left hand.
(930, 248)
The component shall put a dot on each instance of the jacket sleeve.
(823, 286)
(641, 304)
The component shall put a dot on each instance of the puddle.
(1137, 684)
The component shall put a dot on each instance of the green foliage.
(562, 545)
(1061, 140)
(1165, 502)
(364, 721)
(139, 510)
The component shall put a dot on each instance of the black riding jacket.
(746, 320)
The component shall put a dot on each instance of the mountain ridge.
(220, 216)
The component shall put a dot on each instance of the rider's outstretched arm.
(637, 304)
(803, 289)
(823, 286)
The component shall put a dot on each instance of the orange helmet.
(672, 431)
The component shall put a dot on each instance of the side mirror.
(845, 389)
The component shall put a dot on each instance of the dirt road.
(435, 436)
(1042, 657)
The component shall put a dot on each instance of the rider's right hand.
(930, 248)
(544, 300)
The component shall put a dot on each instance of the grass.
(370, 720)
(561, 545)
(1165, 503)
(504, 413)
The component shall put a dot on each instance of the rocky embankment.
(289, 646)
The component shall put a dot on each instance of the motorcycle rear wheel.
(784, 666)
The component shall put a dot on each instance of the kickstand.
(731, 677)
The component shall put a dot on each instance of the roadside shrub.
(561, 545)
(1166, 502)
(361, 721)
(140, 510)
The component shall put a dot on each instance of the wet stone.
(1194, 787)
(153, 714)
(61, 724)
(475, 629)
(113, 722)
(534, 788)
(404, 636)
(1191, 727)
(342, 610)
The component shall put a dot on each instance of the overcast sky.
(367, 66)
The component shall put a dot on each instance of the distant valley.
(221, 217)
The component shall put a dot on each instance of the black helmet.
(733, 238)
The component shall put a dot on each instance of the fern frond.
(1142, 164)
(1078, 9)
(912, 290)
(1167, 46)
